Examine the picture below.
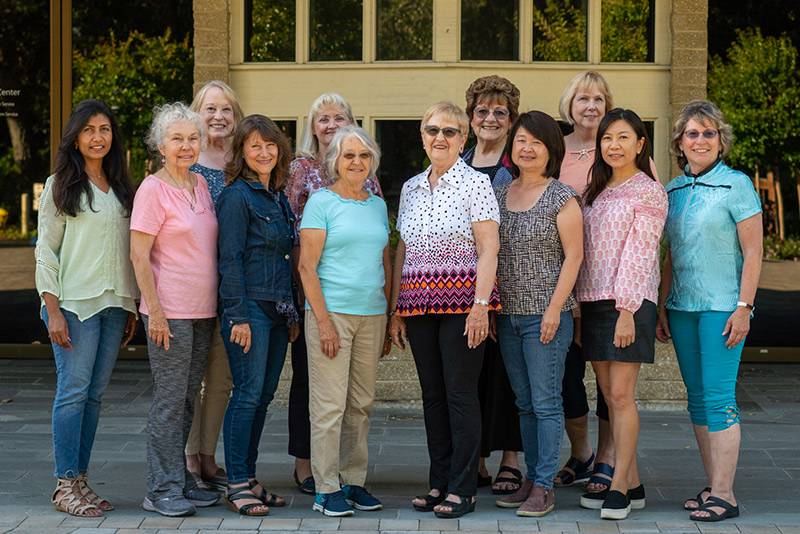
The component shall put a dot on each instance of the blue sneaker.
(361, 499)
(332, 504)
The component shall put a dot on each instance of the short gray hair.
(701, 111)
(335, 150)
(164, 117)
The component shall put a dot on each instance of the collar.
(452, 177)
(705, 171)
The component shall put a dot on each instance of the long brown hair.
(269, 131)
(601, 171)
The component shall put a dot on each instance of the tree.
(758, 90)
(559, 31)
(273, 30)
(623, 30)
(133, 76)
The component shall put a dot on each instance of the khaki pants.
(341, 393)
(212, 400)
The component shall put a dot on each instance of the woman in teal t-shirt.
(345, 269)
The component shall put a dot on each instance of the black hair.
(544, 128)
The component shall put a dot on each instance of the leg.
(576, 410)
(299, 426)
(328, 384)
(605, 446)
(364, 358)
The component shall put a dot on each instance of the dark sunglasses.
(433, 131)
(499, 114)
(694, 134)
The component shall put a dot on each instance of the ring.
(483, 332)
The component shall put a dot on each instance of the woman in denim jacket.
(258, 319)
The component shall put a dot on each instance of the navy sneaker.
(360, 499)
(332, 504)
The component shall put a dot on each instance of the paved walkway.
(767, 484)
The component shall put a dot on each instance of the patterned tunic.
(621, 233)
(531, 253)
(441, 259)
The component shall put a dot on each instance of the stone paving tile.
(438, 524)
(759, 529)
(789, 529)
(635, 527)
(33, 522)
(87, 530)
(81, 522)
(718, 528)
(319, 523)
(515, 525)
(136, 531)
(121, 522)
(558, 526)
(399, 524)
(477, 524)
(348, 531)
(280, 523)
(178, 531)
(240, 523)
(356, 523)
(664, 526)
(597, 526)
(201, 523)
(11, 521)
(43, 530)
(159, 522)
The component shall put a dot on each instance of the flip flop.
(516, 479)
(698, 500)
(729, 510)
(578, 471)
(603, 474)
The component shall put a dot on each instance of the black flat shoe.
(307, 486)
(457, 509)
(430, 502)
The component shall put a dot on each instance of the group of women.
(517, 261)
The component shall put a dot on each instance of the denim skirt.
(598, 321)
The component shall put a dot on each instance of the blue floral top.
(701, 231)
(215, 179)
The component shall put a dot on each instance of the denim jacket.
(256, 232)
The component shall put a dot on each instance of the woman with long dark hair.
(87, 286)
(623, 218)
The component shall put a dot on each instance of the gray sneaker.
(169, 506)
(200, 497)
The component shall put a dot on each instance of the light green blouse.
(85, 260)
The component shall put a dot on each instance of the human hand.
(493, 327)
(329, 339)
(576, 331)
(550, 322)
(294, 332)
(738, 326)
(240, 334)
(130, 329)
(58, 329)
(158, 329)
(625, 331)
(397, 331)
(476, 327)
(662, 326)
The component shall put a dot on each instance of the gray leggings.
(177, 374)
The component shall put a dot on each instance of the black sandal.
(699, 500)
(430, 501)
(457, 509)
(270, 499)
(729, 510)
(516, 479)
(578, 471)
(239, 494)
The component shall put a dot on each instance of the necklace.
(182, 189)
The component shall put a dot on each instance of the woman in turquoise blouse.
(85, 279)
(713, 262)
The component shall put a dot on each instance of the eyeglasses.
(433, 131)
(499, 114)
(694, 134)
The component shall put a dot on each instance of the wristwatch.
(742, 304)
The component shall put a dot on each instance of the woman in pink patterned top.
(307, 175)
(624, 213)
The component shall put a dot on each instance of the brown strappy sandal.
(68, 498)
(94, 498)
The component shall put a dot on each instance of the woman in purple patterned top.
(307, 175)
(448, 222)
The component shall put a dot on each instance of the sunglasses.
(433, 131)
(694, 134)
(499, 114)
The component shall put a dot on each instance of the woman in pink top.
(623, 218)
(174, 253)
(585, 101)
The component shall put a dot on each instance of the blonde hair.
(450, 111)
(701, 111)
(308, 145)
(229, 93)
(581, 81)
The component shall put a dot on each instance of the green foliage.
(133, 76)
(776, 248)
(272, 34)
(559, 30)
(490, 29)
(758, 90)
(405, 29)
(623, 30)
(336, 27)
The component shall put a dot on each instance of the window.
(402, 156)
(405, 30)
(626, 28)
(490, 30)
(289, 129)
(559, 30)
(271, 29)
(335, 30)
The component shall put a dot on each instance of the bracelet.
(742, 304)
(482, 302)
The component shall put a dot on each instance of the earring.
(682, 154)
(163, 160)
(76, 145)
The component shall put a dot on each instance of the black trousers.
(573, 392)
(448, 374)
(299, 424)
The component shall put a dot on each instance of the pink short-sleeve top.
(184, 252)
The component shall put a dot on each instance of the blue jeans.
(83, 374)
(535, 371)
(709, 368)
(255, 379)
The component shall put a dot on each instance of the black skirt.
(597, 333)
(499, 412)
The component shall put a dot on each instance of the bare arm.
(750, 234)
(397, 325)
(158, 328)
(312, 241)
(570, 229)
(662, 324)
(487, 245)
